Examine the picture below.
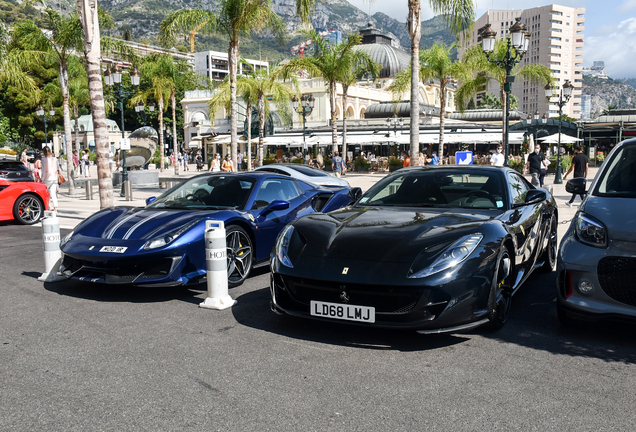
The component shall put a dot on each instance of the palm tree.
(332, 63)
(78, 93)
(435, 64)
(12, 63)
(459, 15)
(159, 84)
(484, 71)
(236, 18)
(365, 67)
(66, 39)
(255, 89)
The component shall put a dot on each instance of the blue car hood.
(136, 224)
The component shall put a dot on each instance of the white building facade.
(556, 41)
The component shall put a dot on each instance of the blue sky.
(610, 26)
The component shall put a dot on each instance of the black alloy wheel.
(239, 255)
(549, 257)
(28, 209)
(500, 293)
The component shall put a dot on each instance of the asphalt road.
(81, 357)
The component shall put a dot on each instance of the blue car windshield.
(439, 188)
(215, 192)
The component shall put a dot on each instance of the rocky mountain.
(606, 92)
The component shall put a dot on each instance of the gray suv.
(596, 264)
(14, 171)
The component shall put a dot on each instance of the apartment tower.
(556, 41)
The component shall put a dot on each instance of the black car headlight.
(590, 231)
(170, 236)
(452, 256)
(282, 246)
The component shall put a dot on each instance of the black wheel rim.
(503, 295)
(239, 256)
(29, 210)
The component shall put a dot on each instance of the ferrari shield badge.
(345, 270)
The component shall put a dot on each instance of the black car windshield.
(439, 188)
(215, 192)
(619, 179)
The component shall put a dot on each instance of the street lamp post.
(564, 94)
(519, 40)
(40, 113)
(306, 107)
(112, 77)
(394, 121)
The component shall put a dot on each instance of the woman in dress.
(50, 175)
(24, 158)
(37, 169)
(215, 166)
(87, 164)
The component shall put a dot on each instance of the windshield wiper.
(419, 205)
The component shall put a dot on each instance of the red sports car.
(23, 201)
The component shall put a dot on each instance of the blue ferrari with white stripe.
(162, 244)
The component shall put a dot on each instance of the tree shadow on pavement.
(124, 293)
(252, 310)
(533, 323)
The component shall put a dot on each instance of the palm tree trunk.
(442, 117)
(161, 136)
(233, 54)
(68, 135)
(248, 114)
(334, 126)
(261, 126)
(345, 92)
(173, 102)
(78, 146)
(87, 12)
(414, 23)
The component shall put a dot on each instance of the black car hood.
(383, 234)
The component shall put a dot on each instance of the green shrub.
(270, 159)
(566, 163)
(517, 165)
(296, 160)
(600, 157)
(361, 164)
(395, 162)
(92, 156)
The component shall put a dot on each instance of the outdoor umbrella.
(565, 139)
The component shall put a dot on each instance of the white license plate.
(342, 311)
(114, 249)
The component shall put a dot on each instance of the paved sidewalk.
(73, 209)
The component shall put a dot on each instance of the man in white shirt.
(239, 161)
(497, 159)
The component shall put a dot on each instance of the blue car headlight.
(167, 238)
(590, 231)
(282, 246)
(67, 238)
(452, 256)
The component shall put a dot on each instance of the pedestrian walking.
(580, 165)
(534, 165)
(50, 175)
(24, 158)
(497, 159)
(76, 164)
(337, 165)
(215, 166)
(239, 161)
(87, 163)
(37, 169)
(227, 164)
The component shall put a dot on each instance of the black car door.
(523, 222)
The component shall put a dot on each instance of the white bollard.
(216, 265)
(51, 239)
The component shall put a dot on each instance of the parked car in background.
(597, 257)
(11, 169)
(433, 249)
(305, 173)
(22, 201)
(163, 244)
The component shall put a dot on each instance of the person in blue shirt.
(433, 160)
(337, 164)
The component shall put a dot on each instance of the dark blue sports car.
(162, 244)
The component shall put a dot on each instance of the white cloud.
(627, 6)
(616, 48)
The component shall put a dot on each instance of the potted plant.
(327, 162)
(600, 158)
(360, 164)
(395, 163)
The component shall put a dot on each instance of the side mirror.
(149, 200)
(355, 193)
(576, 186)
(277, 205)
(534, 196)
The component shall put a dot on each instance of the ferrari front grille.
(385, 299)
(118, 272)
(616, 276)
